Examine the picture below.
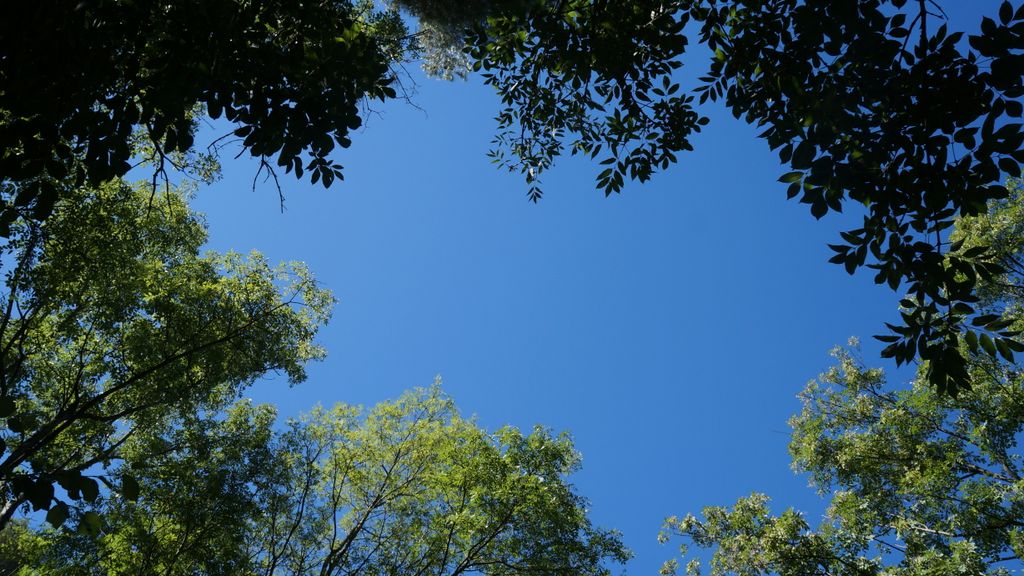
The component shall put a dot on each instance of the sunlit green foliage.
(918, 483)
(113, 324)
(878, 103)
(408, 487)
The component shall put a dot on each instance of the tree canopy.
(113, 323)
(78, 79)
(917, 482)
(408, 487)
(877, 102)
(123, 350)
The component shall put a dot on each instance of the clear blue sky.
(668, 328)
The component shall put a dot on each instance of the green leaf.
(1004, 350)
(1014, 345)
(988, 345)
(1006, 12)
(57, 514)
(1009, 166)
(90, 488)
(90, 524)
(39, 493)
(803, 155)
(972, 340)
(129, 488)
(984, 319)
(963, 308)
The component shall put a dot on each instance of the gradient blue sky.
(668, 328)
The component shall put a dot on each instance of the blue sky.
(668, 328)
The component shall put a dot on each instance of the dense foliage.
(876, 102)
(596, 77)
(917, 482)
(113, 323)
(407, 488)
(78, 79)
(123, 350)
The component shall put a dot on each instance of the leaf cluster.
(879, 103)
(113, 324)
(593, 77)
(875, 102)
(78, 78)
(408, 487)
(917, 483)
